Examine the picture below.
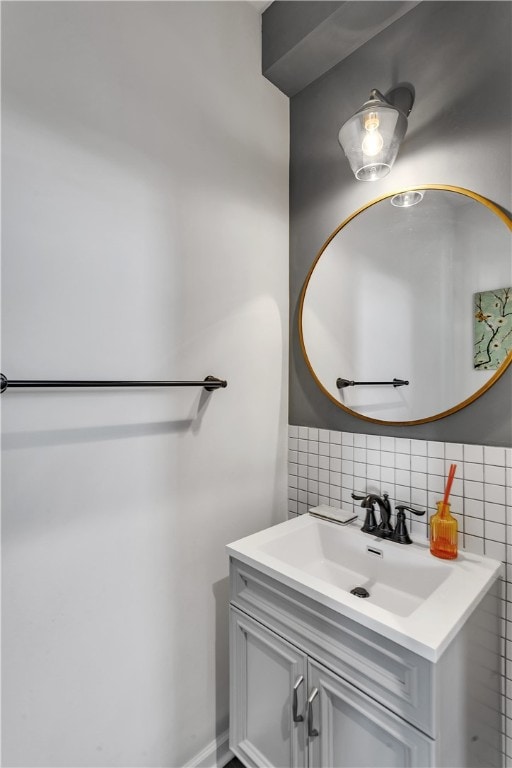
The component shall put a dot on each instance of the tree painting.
(493, 328)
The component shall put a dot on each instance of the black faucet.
(384, 529)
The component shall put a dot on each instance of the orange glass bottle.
(443, 533)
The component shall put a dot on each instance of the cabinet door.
(265, 729)
(353, 731)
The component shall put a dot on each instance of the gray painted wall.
(458, 58)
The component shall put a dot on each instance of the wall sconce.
(371, 137)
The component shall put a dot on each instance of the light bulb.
(372, 143)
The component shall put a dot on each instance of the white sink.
(414, 598)
(395, 577)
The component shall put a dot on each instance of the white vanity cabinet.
(269, 674)
(350, 729)
(372, 702)
(288, 711)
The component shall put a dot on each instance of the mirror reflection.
(415, 287)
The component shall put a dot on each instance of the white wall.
(145, 205)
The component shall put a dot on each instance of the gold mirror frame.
(508, 360)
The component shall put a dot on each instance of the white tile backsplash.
(453, 452)
(419, 463)
(473, 471)
(335, 437)
(323, 462)
(474, 453)
(415, 472)
(411, 470)
(474, 490)
(387, 459)
(418, 448)
(435, 466)
(373, 472)
(435, 449)
(495, 512)
(335, 450)
(402, 445)
(402, 461)
(419, 480)
(373, 442)
(335, 478)
(403, 493)
(474, 526)
(495, 493)
(387, 475)
(419, 497)
(457, 487)
(335, 464)
(323, 435)
(360, 454)
(323, 448)
(347, 452)
(323, 475)
(494, 474)
(494, 455)
(436, 483)
(403, 477)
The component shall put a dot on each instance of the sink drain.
(360, 592)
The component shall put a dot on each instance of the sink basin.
(413, 598)
(394, 577)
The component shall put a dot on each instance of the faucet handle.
(401, 507)
(401, 534)
(370, 523)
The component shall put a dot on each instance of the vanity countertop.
(415, 599)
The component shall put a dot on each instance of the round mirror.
(406, 313)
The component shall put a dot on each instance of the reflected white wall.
(391, 296)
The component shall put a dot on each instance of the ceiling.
(260, 5)
(303, 40)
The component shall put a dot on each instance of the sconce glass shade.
(371, 138)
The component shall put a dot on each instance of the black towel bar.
(209, 383)
(342, 383)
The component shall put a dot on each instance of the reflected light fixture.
(371, 137)
(407, 199)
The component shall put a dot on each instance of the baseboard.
(214, 755)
